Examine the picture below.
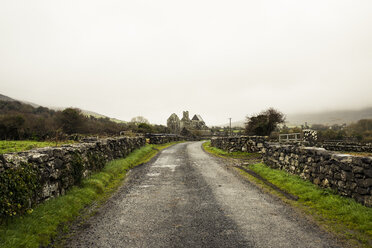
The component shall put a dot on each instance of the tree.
(71, 120)
(11, 127)
(160, 129)
(264, 123)
(140, 119)
(362, 130)
(144, 128)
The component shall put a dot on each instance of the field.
(24, 145)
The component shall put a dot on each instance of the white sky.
(219, 59)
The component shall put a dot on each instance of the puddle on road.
(170, 166)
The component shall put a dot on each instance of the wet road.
(186, 198)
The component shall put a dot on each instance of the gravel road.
(187, 198)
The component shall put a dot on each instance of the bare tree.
(140, 119)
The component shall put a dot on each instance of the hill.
(6, 98)
(84, 112)
(21, 121)
(330, 117)
(325, 118)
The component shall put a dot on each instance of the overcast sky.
(220, 59)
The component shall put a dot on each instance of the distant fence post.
(295, 137)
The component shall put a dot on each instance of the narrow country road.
(187, 198)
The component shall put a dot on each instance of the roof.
(197, 118)
(173, 116)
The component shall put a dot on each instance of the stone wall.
(162, 139)
(347, 146)
(348, 175)
(56, 169)
(242, 143)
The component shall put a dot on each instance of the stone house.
(176, 125)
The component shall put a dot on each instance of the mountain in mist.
(85, 112)
(330, 117)
(325, 118)
(6, 98)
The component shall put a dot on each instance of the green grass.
(325, 202)
(221, 153)
(24, 145)
(37, 228)
(338, 214)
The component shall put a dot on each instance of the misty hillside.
(325, 118)
(96, 115)
(9, 99)
(85, 112)
(330, 117)
(6, 98)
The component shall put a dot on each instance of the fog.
(219, 59)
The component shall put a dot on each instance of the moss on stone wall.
(31, 177)
(18, 187)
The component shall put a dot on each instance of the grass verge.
(340, 215)
(24, 145)
(39, 227)
(224, 154)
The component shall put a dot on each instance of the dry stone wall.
(242, 143)
(27, 178)
(347, 146)
(348, 175)
(162, 139)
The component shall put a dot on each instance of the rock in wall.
(347, 146)
(242, 143)
(47, 172)
(161, 139)
(346, 174)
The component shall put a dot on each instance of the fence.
(290, 137)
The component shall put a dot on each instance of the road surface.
(187, 198)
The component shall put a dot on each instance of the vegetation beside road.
(20, 121)
(224, 154)
(24, 145)
(338, 214)
(38, 228)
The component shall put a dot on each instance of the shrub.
(17, 187)
(264, 123)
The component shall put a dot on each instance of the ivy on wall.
(17, 189)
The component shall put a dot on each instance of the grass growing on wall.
(37, 228)
(340, 214)
(221, 153)
(24, 145)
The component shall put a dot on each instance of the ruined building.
(173, 124)
(176, 125)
